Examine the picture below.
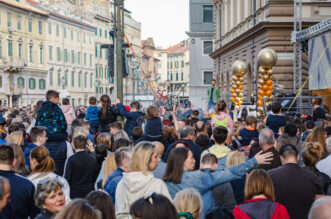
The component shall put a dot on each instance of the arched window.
(91, 80)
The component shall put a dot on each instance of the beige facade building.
(162, 55)
(244, 27)
(23, 63)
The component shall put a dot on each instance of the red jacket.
(262, 208)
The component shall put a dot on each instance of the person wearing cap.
(295, 187)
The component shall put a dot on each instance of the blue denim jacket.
(203, 182)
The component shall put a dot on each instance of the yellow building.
(23, 70)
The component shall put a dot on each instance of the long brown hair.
(79, 209)
(259, 183)
(36, 108)
(318, 135)
(19, 166)
(45, 163)
(220, 107)
(175, 165)
(102, 201)
(105, 102)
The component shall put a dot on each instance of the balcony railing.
(13, 64)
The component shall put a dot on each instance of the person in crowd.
(195, 116)
(122, 158)
(38, 138)
(105, 139)
(79, 209)
(276, 119)
(161, 167)
(203, 141)
(3, 131)
(140, 181)
(68, 111)
(221, 151)
(221, 117)
(312, 153)
(43, 166)
(153, 126)
(187, 135)
(281, 140)
(267, 142)
(115, 127)
(291, 130)
(107, 114)
(132, 118)
(188, 204)
(318, 135)
(324, 165)
(260, 198)
(153, 206)
(34, 116)
(101, 201)
(238, 185)
(298, 194)
(318, 112)
(49, 198)
(100, 152)
(137, 133)
(92, 115)
(19, 166)
(21, 203)
(223, 194)
(180, 175)
(16, 137)
(200, 128)
(51, 117)
(309, 125)
(81, 169)
(320, 208)
(249, 132)
(4, 193)
(121, 134)
(213, 93)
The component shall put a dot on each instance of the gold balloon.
(259, 86)
(241, 79)
(238, 83)
(239, 68)
(237, 99)
(238, 91)
(267, 58)
(234, 78)
(265, 77)
(241, 95)
(269, 71)
(262, 70)
(234, 94)
(261, 81)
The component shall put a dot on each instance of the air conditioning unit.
(10, 29)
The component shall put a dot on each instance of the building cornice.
(200, 34)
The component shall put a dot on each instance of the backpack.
(224, 122)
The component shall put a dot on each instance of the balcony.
(16, 89)
(13, 64)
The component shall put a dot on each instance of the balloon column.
(239, 68)
(267, 58)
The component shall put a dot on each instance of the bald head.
(266, 138)
(200, 127)
(159, 148)
(321, 208)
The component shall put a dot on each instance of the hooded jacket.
(221, 152)
(69, 113)
(135, 185)
(92, 113)
(224, 119)
(133, 119)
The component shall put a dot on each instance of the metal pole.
(118, 44)
(294, 46)
(300, 58)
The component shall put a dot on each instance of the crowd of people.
(106, 161)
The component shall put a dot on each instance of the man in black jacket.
(81, 169)
(22, 190)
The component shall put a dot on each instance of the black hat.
(287, 147)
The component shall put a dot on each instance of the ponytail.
(45, 163)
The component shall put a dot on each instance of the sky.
(164, 20)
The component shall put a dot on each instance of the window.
(79, 79)
(91, 80)
(96, 51)
(42, 84)
(64, 32)
(207, 77)
(170, 65)
(89, 41)
(19, 22)
(207, 47)
(182, 76)
(101, 90)
(32, 83)
(72, 57)
(101, 72)
(51, 78)
(73, 79)
(100, 52)
(50, 53)
(85, 80)
(78, 58)
(84, 39)
(0, 81)
(31, 53)
(207, 14)
(65, 78)
(106, 72)
(96, 32)
(182, 64)
(73, 101)
(90, 60)
(171, 76)
(49, 28)
(96, 71)
(0, 48)
(58, 79)
(65, 55)
(40, 27)
(57, 30)
(168, 76)
(19, 50)
(106, 34)
(8, 19)
(30, 24)
(96, 90)
(78, 33)
(10, 48)
(20, 81)
(41, 55)
(84, 58)
(58, 54)
(176, 76)
(176, 64)
(100, 32)
(72, 34)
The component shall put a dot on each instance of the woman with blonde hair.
(140, 181)
(260, 199)
(16, 137)
(79, 209)
(238, 185)
(43, 167)
(105, 139)
(188, 203)
(318, 135)
(20, 165)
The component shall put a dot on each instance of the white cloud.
(164, 20)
